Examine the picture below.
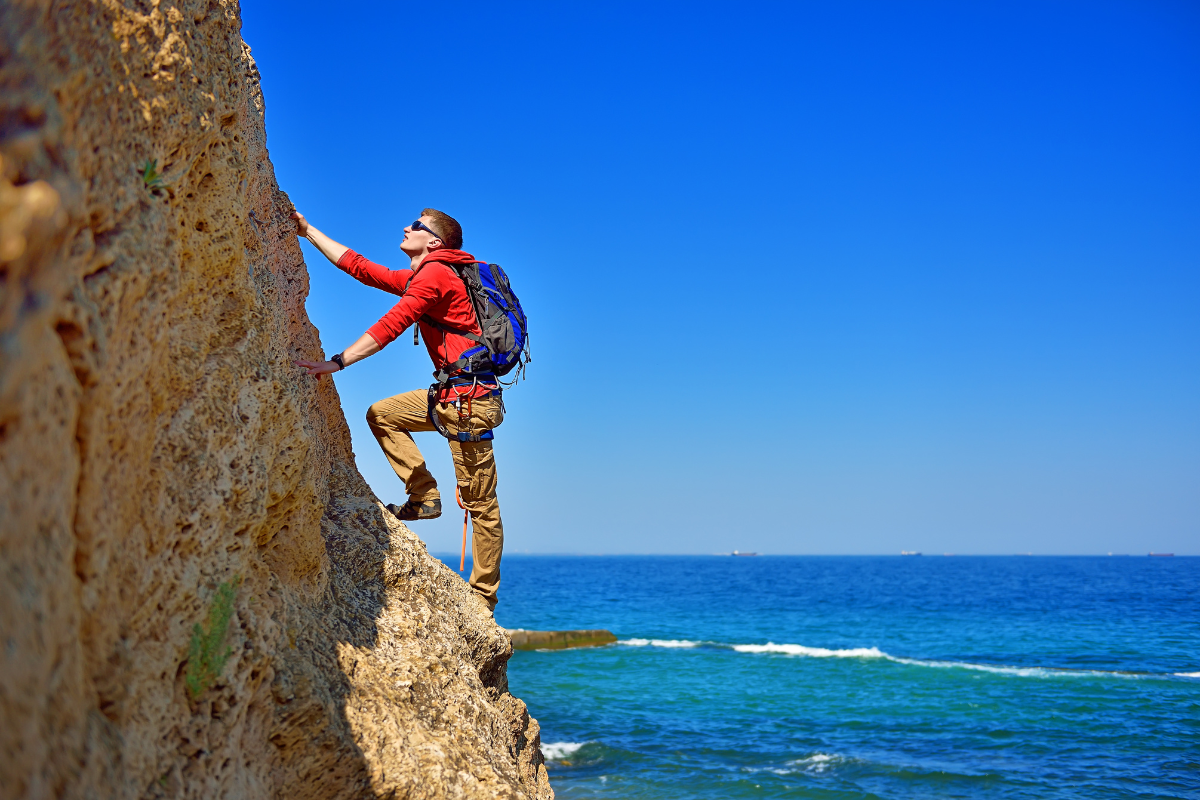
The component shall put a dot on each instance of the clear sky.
(836, 277)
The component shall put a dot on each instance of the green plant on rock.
(151, 176)
(206, 658)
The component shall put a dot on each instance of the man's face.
(417, 240)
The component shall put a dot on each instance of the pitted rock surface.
(157, 442)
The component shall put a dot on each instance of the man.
(435, 298)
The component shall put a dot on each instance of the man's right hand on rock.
(328, 247)
(301, 224)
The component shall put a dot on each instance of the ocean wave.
(1022, 672)
(817, 763)
(771, 648)
(812, 652)
(875, 652)
(1188, 674)
(556, 751)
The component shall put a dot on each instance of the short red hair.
(446, 226)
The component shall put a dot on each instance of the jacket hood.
(448, 256)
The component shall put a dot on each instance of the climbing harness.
(465, 431)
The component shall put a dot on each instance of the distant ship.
(1163, 555)
(909, 553)
(740, 553)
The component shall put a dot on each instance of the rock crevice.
(156, 444)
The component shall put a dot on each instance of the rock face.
(201, 597)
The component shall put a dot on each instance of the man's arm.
(428, 287)
(424, 292)
(328, 247)
(364, 347)
(374, 275)
(367, 344)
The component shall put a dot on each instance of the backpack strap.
(455, 369)
(428, 320)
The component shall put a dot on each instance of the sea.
(863, 677)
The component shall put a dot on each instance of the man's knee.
(376, 414)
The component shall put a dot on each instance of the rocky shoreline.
(558, 640)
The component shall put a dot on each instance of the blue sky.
(801, 277)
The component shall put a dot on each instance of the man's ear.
(436, 244)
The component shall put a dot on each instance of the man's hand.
(318, 368)
(328, 247)
(365, 346)
(301, 224)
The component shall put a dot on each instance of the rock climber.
(433, 297)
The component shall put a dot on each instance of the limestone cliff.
(201, 597)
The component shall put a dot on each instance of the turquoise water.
(858, 677)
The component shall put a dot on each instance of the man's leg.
(475, 468)
(390, 420)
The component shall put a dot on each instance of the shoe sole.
(390, 506)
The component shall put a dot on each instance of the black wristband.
(337, 359)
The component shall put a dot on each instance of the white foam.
(817, 762)
(875, 652)
(812, 652)
(1188, 674)
(816, 758)
(560, 750)
(1024, 672)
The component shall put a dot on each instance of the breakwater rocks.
(558, 640)
(201, 596)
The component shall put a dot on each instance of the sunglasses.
(417, 225)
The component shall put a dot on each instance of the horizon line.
(843, 555)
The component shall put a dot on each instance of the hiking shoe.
(417, 509)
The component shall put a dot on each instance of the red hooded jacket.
(436, 290)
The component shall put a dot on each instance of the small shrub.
(151, 177)
(206, 658)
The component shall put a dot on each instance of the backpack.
(504, 345)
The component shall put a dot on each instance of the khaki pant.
(393, 419)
